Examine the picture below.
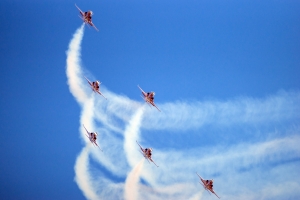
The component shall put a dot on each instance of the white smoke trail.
(74, 75)
(232, 164)
(131, 150)
(131, 184)
(83, 178)
(131, 134)
(197, 196)
(73, 69)
(87, 115)
(283, 106)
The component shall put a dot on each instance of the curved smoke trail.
(73, 69)
(130, 147)
(131, 184)
(272, 123)
(82, 171)
(83, 178)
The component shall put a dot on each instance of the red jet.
(87, 17)
(92, 137)
(149, 97)
(208, 185)
(147, 153)
(95, 86)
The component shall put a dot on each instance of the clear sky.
(226, 78)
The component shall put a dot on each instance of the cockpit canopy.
(94, 133)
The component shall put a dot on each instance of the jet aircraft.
(92, 137)
(87, 17)
(147, 153)
(208, 185)
(95, 86)
(149, 97)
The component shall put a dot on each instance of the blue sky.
(225, 74)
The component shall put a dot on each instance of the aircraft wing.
(153, 104)
(101, 94)
(97, 145)
(214, 193)
(88, 133)
(86, 129)
(91, 24)
(79, 10)
(144, 93)
(89, 81)
(140, 147)
(200, 178)
(153, 162)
